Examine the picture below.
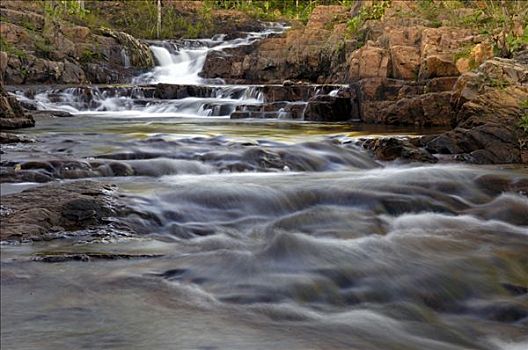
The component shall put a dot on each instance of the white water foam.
(177, 63)
(181, 64)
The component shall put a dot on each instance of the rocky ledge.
(49, 211)
(488, 106)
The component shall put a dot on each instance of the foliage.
(276, 9)
(10, 49)
(465, 52)
(429, 9)
(373, 12)
(89, 55)
(43, 48)
(57, 9)
(523, 123)
(503, 21)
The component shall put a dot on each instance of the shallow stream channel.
(256, 233)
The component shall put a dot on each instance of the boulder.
(405, 62)
(368, 62)
(326, 108)
(140, 55)
(433, 109)
(389, 149)
(38, 212)
(437, 49)
(12, 116)
(3, 65)
(23, 18)
(440, 65)
(478, 54)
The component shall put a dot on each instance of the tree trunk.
(158, 27)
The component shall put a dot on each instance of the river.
(261, 234)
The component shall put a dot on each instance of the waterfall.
(125, 58)
(180, 62)
(161, 55)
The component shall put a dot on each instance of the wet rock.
(12, 116)
(6, 137)
(240, 115)
(89, 256)
(141, 56)
(295, 92)
(331, 109)
(173, 91)
(294, 110)
(73, 206)
(388, 149)
(47, 114)
(424, 110)
(399, 102)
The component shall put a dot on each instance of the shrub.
(373, 12)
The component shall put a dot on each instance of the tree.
(158, 26)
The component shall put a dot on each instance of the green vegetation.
(43, 48)
(10, 49)
(272, 10)
(465, 52)
(523, 123)
(57, 9)
(504, 22)
(89, 55)
(373, 12)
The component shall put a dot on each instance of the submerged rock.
(6, 137)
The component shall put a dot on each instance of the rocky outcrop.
(405, 72)
(46, 211)
(488, 114)
(399, 102)
(37, 49)
(339, 107)
(139, 53)
(486, 108)
(12, 116)
(316, 52)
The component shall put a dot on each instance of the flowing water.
(261, 234)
